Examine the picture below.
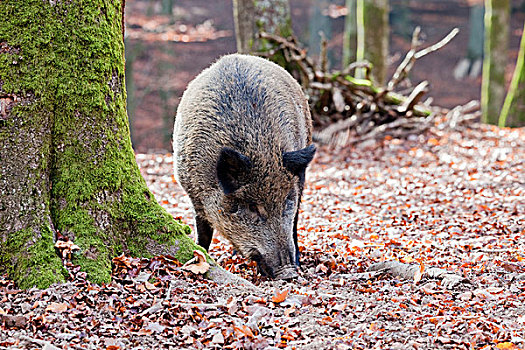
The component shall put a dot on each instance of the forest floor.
(452, 200)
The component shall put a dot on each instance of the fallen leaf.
(66, 248)
(243, 330)
(198, 264)
(155, 327)
(419, 273)
(150, 286)
(288, 336)
(280, 297)
(122, 260)
(218, 338)
(433, 142)
(57, 307)
(494, 290)
(144, 331)
(48, 346)
(13, 321)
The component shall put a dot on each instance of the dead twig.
(406, 65)
(348, 110)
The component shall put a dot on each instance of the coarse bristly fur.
(242, 141)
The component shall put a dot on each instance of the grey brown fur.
(242, 140)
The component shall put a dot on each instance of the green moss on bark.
(71, 59)
(372, 37)
(36, 264)
(513, 110)
(497, 16)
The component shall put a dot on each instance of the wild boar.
(242, 141)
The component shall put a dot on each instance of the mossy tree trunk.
(372, 36)
(513, 111)
(67, 164)
(253, 16)
(497, 21)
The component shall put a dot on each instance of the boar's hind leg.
(204, 231)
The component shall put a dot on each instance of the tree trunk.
(513, 111)
(318, 26)
(167, 7)
(67, 161)
(497, 19)
(475, 36)
(252, 17)
(372, 36)
(131, 101)
(350, 34)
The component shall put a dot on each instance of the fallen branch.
(408, 62)
(461, 115)
(347, 110)
(437, 45)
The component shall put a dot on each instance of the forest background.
(169, 42)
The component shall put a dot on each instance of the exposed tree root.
(409, 271)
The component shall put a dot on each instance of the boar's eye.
(253, 208)
(257, 212)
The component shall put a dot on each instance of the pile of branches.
(347, 110)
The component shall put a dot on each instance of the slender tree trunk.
(167, 7)
(513, 111)
(497, 19)
(66, 156)
(373, 34)
(401, 19)
(252, 17)
(350, 34)
(319, 25)
(476, 32)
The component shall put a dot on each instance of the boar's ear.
(297, 161)
(231, 168)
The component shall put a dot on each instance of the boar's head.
(259, 204)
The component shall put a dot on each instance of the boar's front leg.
(204, 231)
(297, 254)
(297, 262)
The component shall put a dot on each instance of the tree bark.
(252, 17)
(513, 111)
(372, 36)
(319, 27)
(497, 19)
(350, 34)
(476, 32)
(67, 161)
(167, 7)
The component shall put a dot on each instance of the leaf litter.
(405, 244)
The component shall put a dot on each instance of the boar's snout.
(286, 272)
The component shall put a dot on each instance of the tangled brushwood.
(348, 110)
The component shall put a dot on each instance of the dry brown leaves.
(442, 203)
